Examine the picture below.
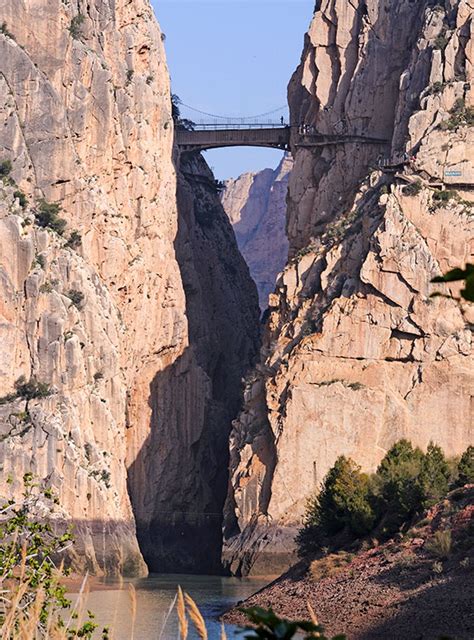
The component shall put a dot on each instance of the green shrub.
(5, 168)
(456, 275)
(31, 551)
(46, 287)
(460, 116)
(434, 476)
(406, 483)
(436, 88)
(444, 196)
(23, 200)
(400, 494)
(413, 189)
(32, 388)
(76, 297)
(441, 42)
(40, 261)
(4, 30)
(75, 240)
(267, 625)
(342, 502)
(75, 28)
(466, 467)
(27, 390)
(105, 477)
(47, 217)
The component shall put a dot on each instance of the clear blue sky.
(234, 57)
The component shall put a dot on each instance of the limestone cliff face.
(104, 321)
(256, 206)
(356, 355)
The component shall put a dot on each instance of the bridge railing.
(226, 126)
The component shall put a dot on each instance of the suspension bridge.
(256, 131)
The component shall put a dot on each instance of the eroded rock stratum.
(105, 324)
(356, 354)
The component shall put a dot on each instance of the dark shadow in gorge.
(178, 482)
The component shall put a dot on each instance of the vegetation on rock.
(353, 504)
(76, 297)
(75, 240)
(413, 189)
(27, 390)
(75, 28)
(47, 217)
(5, 168)
(460, 116)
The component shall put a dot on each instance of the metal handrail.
(226, 126)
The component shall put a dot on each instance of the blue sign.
(453, 173)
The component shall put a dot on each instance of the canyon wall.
(98, 321)
(356, 353)
(179, 480)
(256, 206)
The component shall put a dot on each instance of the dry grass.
(182, 619)
(329, 565)
(440, 544)
(25, 623)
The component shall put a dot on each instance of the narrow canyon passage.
(178, 481)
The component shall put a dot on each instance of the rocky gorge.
(131, 347)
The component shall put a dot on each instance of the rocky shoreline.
(391, 591)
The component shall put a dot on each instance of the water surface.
(112, 604)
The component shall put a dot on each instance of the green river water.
(111, 604)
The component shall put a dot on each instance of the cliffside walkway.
(276, 136)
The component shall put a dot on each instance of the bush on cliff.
(409, 481)
(466, 468)
(48, 218)
(342, 505)
(343, 502)
(352, 504)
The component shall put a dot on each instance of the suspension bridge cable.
(214, 115)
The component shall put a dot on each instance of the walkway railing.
(235, 126)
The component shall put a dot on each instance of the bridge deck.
(261, 135)
(276, 137)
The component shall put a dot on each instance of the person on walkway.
(282, 120)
